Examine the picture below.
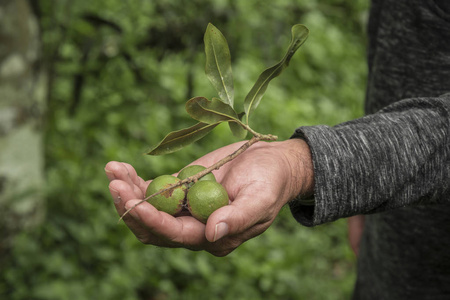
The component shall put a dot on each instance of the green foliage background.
(120, 73)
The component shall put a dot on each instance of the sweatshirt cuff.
(329, 155)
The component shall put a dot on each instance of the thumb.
(232, 219)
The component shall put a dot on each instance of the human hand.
(259, 182)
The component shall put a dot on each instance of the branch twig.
(194, 178)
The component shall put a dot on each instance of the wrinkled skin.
(259, 183)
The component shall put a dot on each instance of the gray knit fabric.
(394, 164)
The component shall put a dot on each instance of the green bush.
(120, 73)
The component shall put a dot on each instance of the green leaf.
(218, 64)
(176, 140)
(237, 130)
(299, 36)
(206, 111)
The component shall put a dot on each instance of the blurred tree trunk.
(22, 100)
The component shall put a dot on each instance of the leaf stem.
(194, 178)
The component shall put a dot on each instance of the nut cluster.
(200, 199)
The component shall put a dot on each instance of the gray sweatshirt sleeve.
(397, 157)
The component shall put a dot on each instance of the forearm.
(397, 157)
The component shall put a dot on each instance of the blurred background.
(85, 82)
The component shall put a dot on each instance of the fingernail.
(220, 231)
(116, 196)
(110, 174)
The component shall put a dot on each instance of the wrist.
(299, 160)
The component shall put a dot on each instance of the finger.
(122, 193)
(228, 221)
(241, 216)
(181, 231)
(125, 172)
(118, 170)
(138, 181)
(140, 186)
(229, 243)
(125, 193)
(110, 168)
